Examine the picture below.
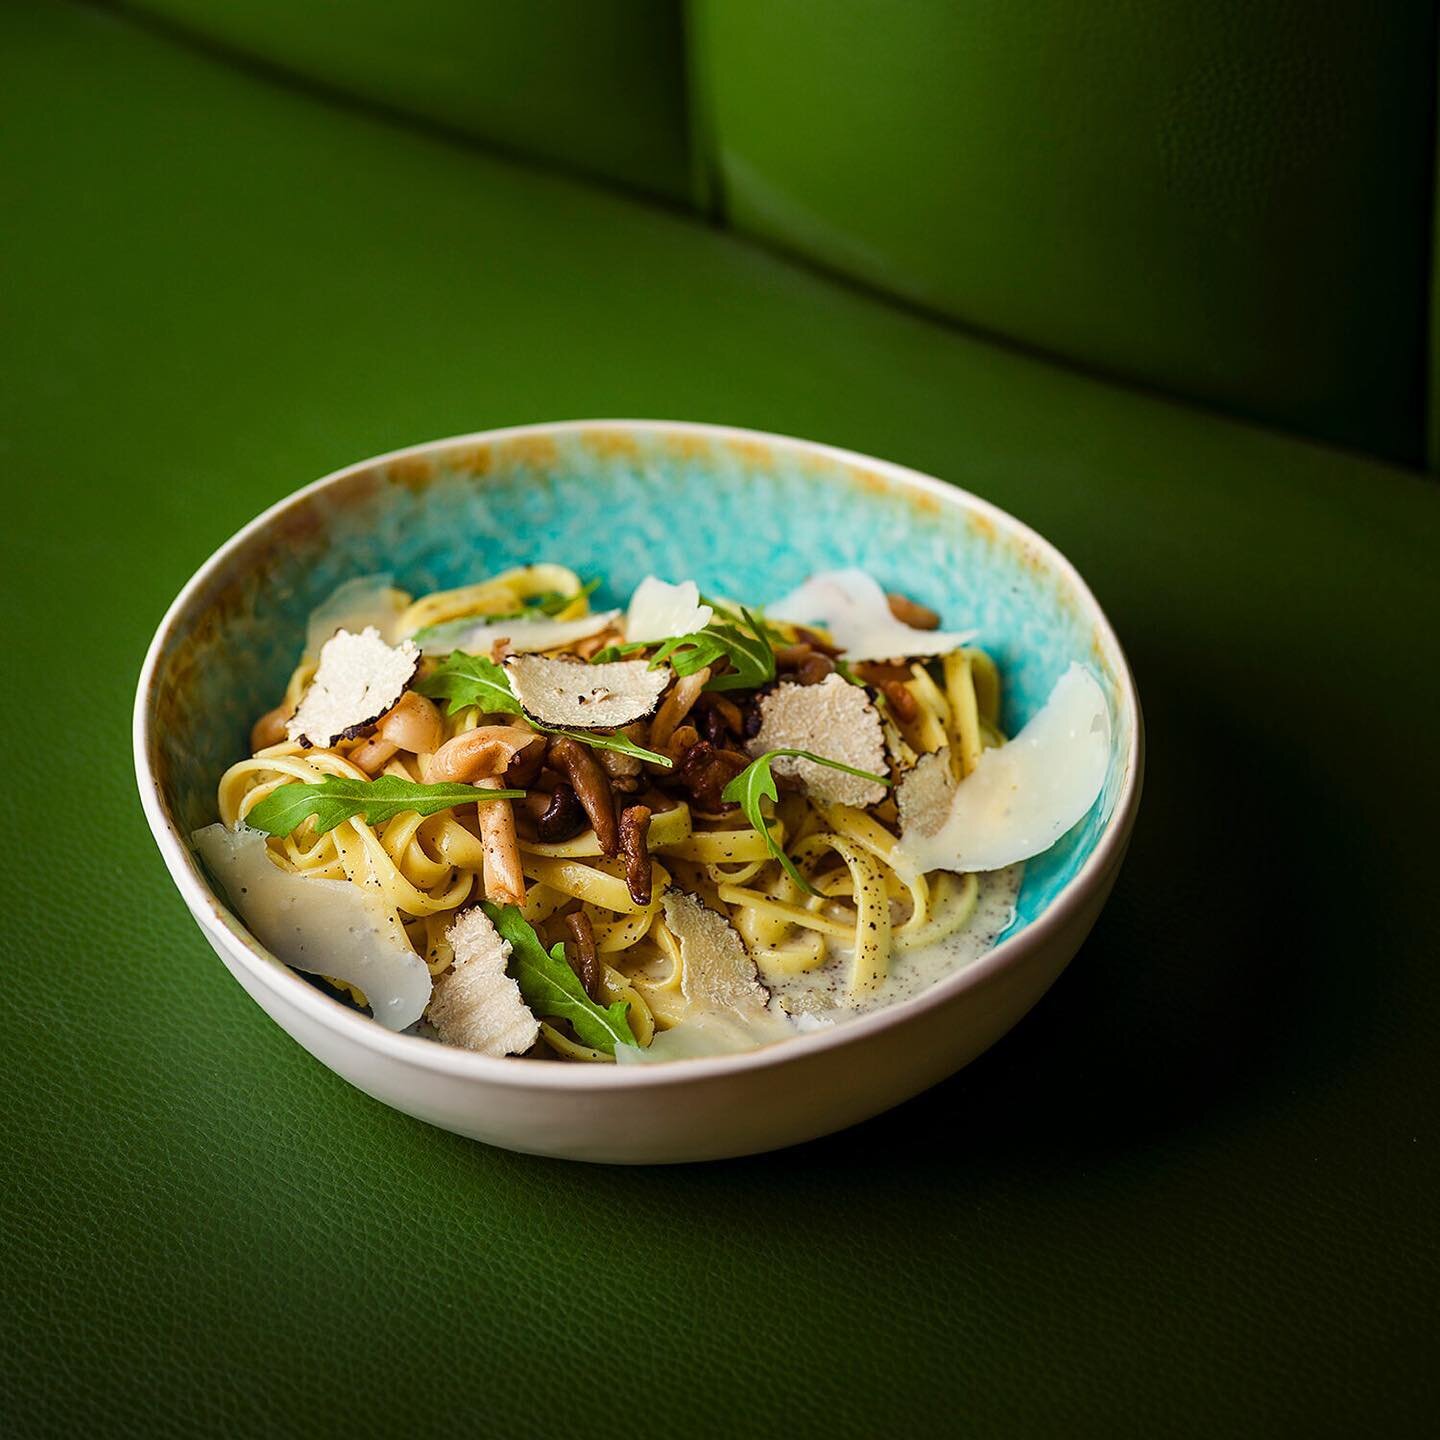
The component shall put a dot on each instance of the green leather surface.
(1192, 1194)
(1223, 199)
(593, 85)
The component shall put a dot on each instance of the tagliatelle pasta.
(761, 781)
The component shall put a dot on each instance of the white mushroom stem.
(503, 877)
(374, 755)
(413, 724)
(476, 754)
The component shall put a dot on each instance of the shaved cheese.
(834, 719)
(358, 679)
(476, 1004)
(526, 634)
(324, 927)
(718, 975)
(700, 1036)
(358, 604)
(660, 611)
(1021, 797)
(569, 692)
(851, 605)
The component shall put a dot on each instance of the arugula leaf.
(755, 783)
(466, 680)
(619, 652)
(550, 987)
(336, 798)
(751, 657)
(617, 742)
(552, 602)
(475, 680)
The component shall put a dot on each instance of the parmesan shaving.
(1021, 797)
(476, 1004)
(525, 634)
(834, 719)
(325, 927)
(358, 604)
(660, 611)
(851, 605)
(580, 696)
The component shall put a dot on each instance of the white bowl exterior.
(806, 1092)
(684, 1110)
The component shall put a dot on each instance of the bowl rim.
(223, 926)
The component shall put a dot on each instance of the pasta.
(761, 781)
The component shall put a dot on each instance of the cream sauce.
(821, 992)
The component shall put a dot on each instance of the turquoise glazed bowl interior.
(744, 514)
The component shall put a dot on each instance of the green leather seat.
(1193, 1193)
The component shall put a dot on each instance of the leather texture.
(1226, 200)
(1192, 1194)
(595, 86)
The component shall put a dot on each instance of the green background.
(1193, 1193)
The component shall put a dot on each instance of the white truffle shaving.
(660, 611)
(834, 719)
(358, 679)
(324, 927)
(525, 634)
(476, 1004)
(572, 693)
(719, 975)
(1021, 797)
(851, 605)
(357, 604)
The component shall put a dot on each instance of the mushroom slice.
(572, 693)
(358, 679)
(324, 927)
(851, 605)
(660, 611)
(719, 974)
(476, 1004)
(835, 719)
(1022, 796)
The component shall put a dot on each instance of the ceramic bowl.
(744, 514)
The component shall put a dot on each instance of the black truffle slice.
(358, 679)
(570, 693)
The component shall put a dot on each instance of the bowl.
(743, 513)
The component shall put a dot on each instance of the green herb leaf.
(337, 798)
(619, 652)
(597, 741)
(466, 680)
(474, 680)
(552, 602)
(551, 988)
(755, 783)
(843, 670)
(752, 660)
